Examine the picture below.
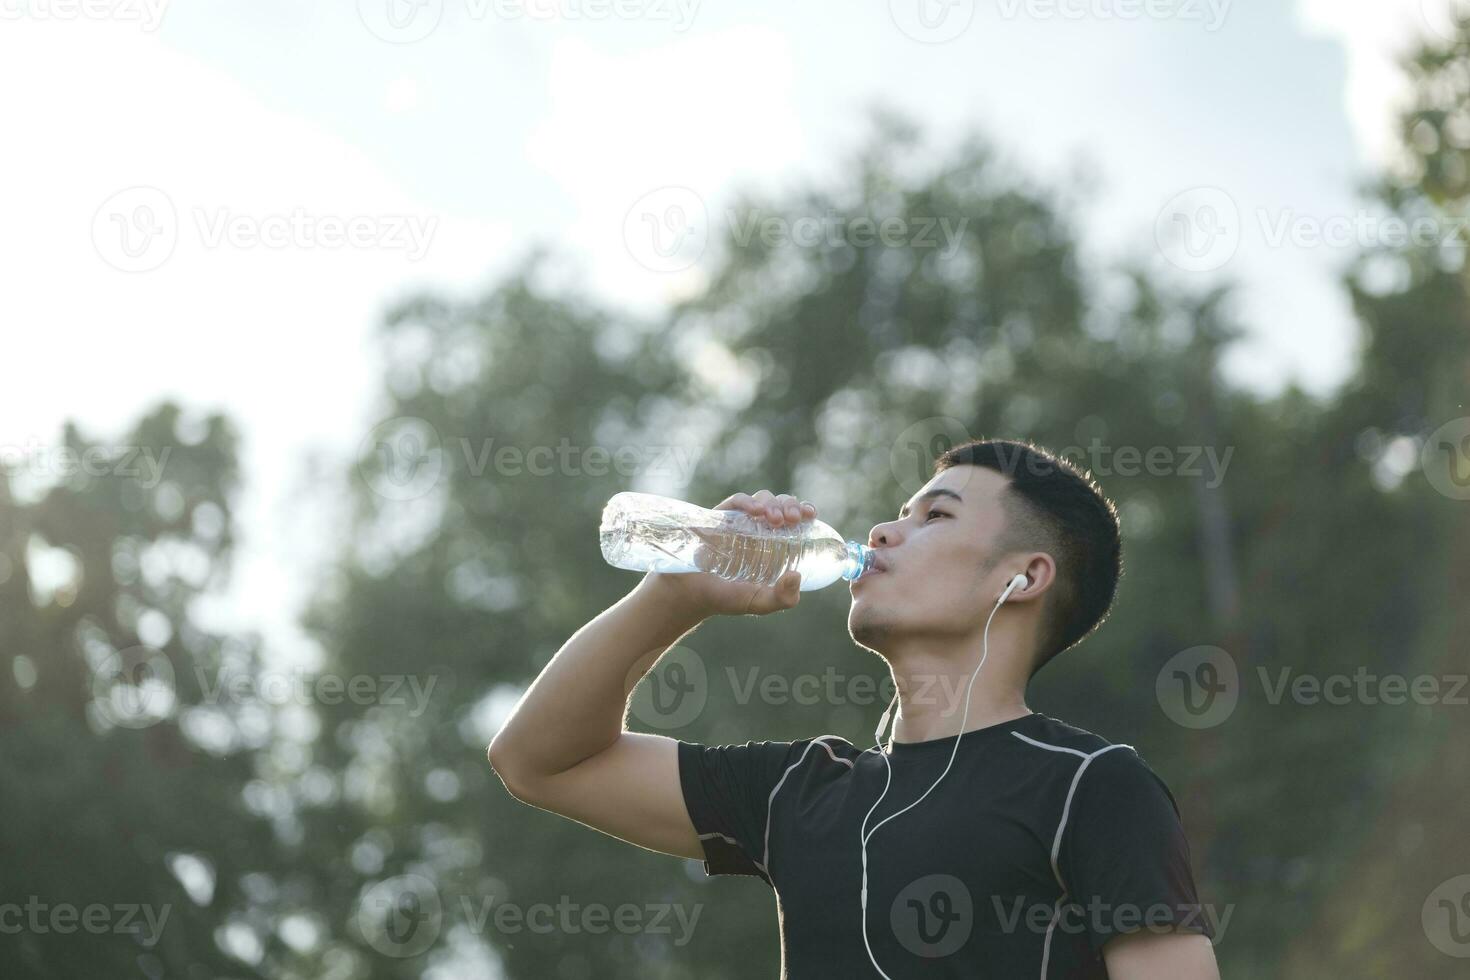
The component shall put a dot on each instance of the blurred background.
(329, 329)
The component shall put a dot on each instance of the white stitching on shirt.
(1056, 846)
(770, 800)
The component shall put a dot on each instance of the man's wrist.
(673, 599)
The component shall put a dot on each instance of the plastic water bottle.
(643, 532)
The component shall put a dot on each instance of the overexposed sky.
(215, 202)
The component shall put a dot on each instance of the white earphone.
(1018, 581)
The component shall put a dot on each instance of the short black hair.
(1058, 508)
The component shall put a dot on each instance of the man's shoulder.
(1054, 734)
(1111, 768)
(1065, 741)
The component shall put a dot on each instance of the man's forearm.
(575, 707)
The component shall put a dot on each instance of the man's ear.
(1040, 571)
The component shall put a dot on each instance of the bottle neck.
(859, 560)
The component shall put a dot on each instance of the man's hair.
(1054, 507)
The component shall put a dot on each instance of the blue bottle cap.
(859, 560)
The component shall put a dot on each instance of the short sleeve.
(1124, 857)
(728, 789)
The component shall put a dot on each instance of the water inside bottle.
(761, 558)
(735, 548)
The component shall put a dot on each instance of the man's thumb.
(789, 588)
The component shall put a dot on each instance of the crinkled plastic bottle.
(644, 532)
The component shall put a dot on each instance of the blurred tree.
(468, 573)
(1399, 904)
(128, 847)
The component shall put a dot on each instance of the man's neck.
(933, 677)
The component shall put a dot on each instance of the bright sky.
(181, 177)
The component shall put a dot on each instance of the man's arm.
(1147, 955)
(564, 747)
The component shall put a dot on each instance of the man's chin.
(868, 630)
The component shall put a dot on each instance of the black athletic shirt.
(1042, 843)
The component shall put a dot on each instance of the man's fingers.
(755, 504)
(778, 510)
(736, 501)
(789, 507)
(772, 507)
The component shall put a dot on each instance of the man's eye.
(933, 514)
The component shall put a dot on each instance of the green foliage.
(98, 810)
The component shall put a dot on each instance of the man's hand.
(702, 594)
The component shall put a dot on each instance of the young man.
(988, 840)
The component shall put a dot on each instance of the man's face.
(935, 559)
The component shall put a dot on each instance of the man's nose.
(882, 536)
